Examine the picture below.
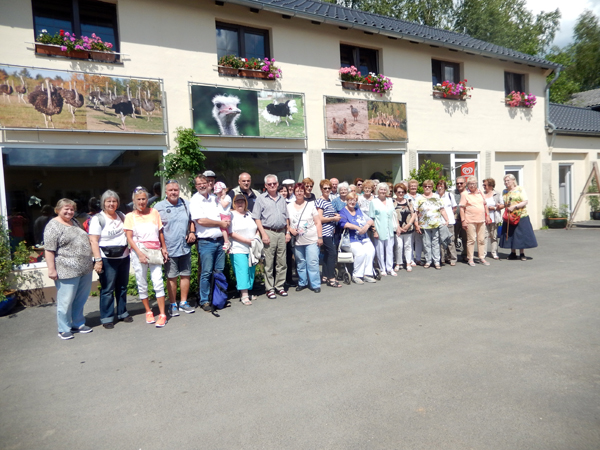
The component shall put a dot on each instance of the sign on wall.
(225, 111)
(33, 98)
(368, 120)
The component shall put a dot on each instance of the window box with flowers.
(377, 83)
(351, 78)
(68, 45)
(452, 91)
(231, 65)
(520, 99)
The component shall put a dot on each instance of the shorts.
(179, 266)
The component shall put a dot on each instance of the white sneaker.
(357, 280)
(369, 279)
(409, 268)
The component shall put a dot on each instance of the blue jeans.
(307, 265)
(71, 295)
(113, 279)
(244, 274)
(212, 258)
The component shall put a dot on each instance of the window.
(451, 163)
(513, 82)
(517, 171)
(365, 59)
(242, 41)
(81, 17)
(444, 71)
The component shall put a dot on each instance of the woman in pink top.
(473, 218)
(144, 231)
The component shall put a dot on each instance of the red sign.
(468, 169)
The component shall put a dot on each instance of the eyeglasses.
(400, 192)
(272, 184)
(308, 186)
(427, 186)
(457, 183)
(326, 188)
(359, 184)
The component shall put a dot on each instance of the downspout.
(550, 127)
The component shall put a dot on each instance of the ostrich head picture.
(226, 112)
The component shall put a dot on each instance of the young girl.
(224, 205)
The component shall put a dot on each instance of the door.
(564, 185)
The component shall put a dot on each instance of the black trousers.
(330, 257)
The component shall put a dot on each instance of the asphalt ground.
(498, 357)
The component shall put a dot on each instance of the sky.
(570, 10)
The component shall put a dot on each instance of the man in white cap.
(211, 177)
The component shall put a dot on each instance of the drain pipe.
(550, 127)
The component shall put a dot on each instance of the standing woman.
(339, 203)
(308, 187)
(109, 245)
(412, 195)
(364, 200)
(243, 232)
(305, 226)
(359, 183)
(405, 215)
(473, 218)
(432, 216)
(383, 213)
(448, 254)
(494, 204)
(520, 236)
(329, 219)
(144, 231)
(70, 264)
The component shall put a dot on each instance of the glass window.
(365, 59)
(444, 71)
(241, 41)
(35, 178)
(348, 166)
(513, 82)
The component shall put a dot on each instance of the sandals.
(271, 294)
(282, 292)
(397, 268)
(484, 262)
(246, 300)
(471, 263)
(427, 266)
(438, 267)
(333, 284)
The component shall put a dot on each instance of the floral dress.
(430, 215)
(517, 195)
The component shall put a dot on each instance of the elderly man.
(334, 187)
(205, 213)
(179, 234)
(244, 188)
(270, 213)
(211, 177)
(459, 231)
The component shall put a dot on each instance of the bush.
(429, 170)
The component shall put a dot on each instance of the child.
(224, 205)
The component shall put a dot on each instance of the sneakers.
(82, 329)
(185, 307)
(162, 321)
(369, 279)
(150, 317)
(357, 280)
(65, 335)
(173, 310)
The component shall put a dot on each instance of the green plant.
(429, 170)
(9, 260)
(552, 212)
(69, 42)
(593, 200)
(186, 161)
(231, 61)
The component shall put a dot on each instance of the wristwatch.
(97, 259)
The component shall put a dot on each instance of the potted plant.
(99, 51)
(520, 99)
(452, 91)
(259, 68)
(594, 201)
(229, 65)
(351, 77)
(377, 83)
(556, 217)
(8, 262)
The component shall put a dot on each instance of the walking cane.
(508, 217)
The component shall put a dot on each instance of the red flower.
(62, 32)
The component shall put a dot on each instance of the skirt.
(519, 236)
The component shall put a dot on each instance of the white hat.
(219, 186)
(209, 173)
(289, 181)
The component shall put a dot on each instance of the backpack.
(102, 220)
(219, 290)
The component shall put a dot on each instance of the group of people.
(387, 226)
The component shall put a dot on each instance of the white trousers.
(404, 246)
(385, 254)
(141, 274)
(363, 253)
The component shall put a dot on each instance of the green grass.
(296, 128)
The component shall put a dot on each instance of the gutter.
(550, 127)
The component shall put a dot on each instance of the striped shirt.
(328, 211)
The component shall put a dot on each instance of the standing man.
(270, 213)
(459, 231)
(334, 185)
(179, 234)
(205, 214)
(244, 188)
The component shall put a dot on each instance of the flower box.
(228, 71)
(54, 50)
(103, 56)
(366, 87)
(520, 100)
(350, 85)
(440, 95)
(248, 73)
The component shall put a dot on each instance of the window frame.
(507, 82)
(443, 64)
(356, 56)
(241, 31)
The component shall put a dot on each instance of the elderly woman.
(359, 183)
(473, 218)
(243, 232)
(70, 264)
(308, 187)
(448, 254)
(352, 219)
(339, 203)
(383, 213)
(304, 224)
(405, 215)
(109, 245)
(329, 219)
(144, 231)
(519, 236)
(412, 195)
(432, 216)
(364, 200)
(494, 204)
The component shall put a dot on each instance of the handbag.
(511, 217)
(113, 251)
(345, 256)
(154, 256)
(345, 241)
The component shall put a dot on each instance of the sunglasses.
(272, 184)
(428, 186)
(326, 188)
(139, 189)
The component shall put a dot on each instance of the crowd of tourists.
(386, 228)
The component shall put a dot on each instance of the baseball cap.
(219, 186)
(289, 181)
(209, 173)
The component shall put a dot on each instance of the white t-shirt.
(307, 230)
(113, 233)
(224, 209)
(246, 227)
(449, 203)
(205, 208)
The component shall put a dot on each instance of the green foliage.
(565, 85)
(231, 61)
(429, 170)
(552, 212)
(186, 161)
(593, 200)
(9, 260)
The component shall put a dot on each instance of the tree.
(565, 85)
(429, 170)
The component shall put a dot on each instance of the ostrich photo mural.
(224, 111)
(49, 99)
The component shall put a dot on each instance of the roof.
(586, 99)
(573, 120)
(375, 23)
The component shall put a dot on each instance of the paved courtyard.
(499, 357)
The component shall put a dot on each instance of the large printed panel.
(365, 120)
(242, 112)
(49, 99)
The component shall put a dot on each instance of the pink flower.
(63, 48)
(109, 45)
